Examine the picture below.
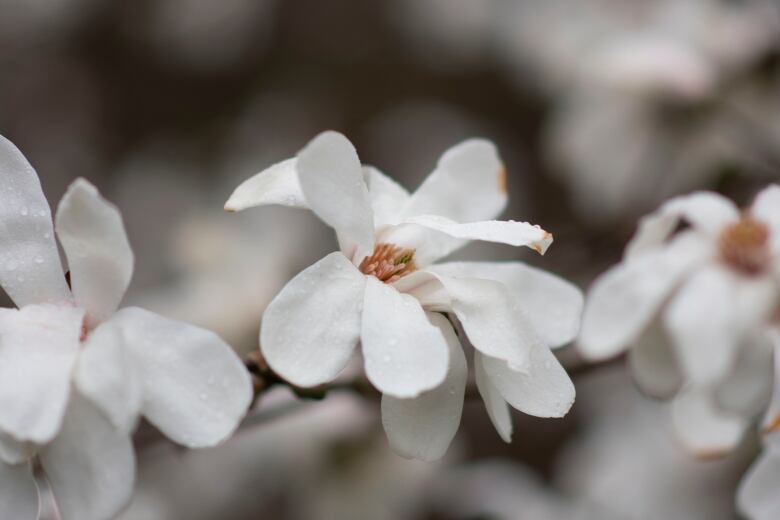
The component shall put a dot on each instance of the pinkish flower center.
(389, 263)
(744, 245)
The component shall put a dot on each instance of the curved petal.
(504, 232)
(38, 348)
(332, 181)
(30, 267)
(468, 184)
(423, 427)
(13, 451)
(705, 211)
(702, 428)
(491, 317)
(496, 406)
(757, 497)
(747, 387)
(623, 301)
(552, 304)
(545, 390)
(90, 465)
(771, 422)
(700, 323)
(18, 493)
(710, 315)
(195, 388)
(311, 328)
(277, 184)
(388, 198)
(107, 374)
(766, 208)
(99, 256)
(405, 354)
(653, 363)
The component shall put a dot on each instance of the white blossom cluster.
(694, 302)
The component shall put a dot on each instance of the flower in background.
(694, 307)
(382, 289)
(75, 374)
(757, 497)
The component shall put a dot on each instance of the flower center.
(744, 245)
(389, 263)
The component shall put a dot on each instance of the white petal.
(491, 316)
(705, 211)
(496, 406)
(99, 256)
(388, 198)
(468, 184)
(423, 427)
(311, 328)
(13, 451)
(545, 390)
(757, 497)
(427, 289)
(653, 363)
(107, 374)
(332, 181)
(30, 268)
(404, 353)
(702, 428)
(771, 421)
(38, 348)
(623, 301)
(706, 319)
(18, 493)
(277, 184)
(552, 304)
(766, 207)
(503, 232)
(195, 388)
(90, 465)
(747, 388)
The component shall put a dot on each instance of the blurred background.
(601, 110)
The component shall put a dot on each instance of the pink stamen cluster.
(388, 263)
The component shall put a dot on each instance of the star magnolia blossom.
(74, 374)
(694, 307)
(383, 290)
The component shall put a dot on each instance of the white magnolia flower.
(74, 374)
(694, 308)
(383, 290)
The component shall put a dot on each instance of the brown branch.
(264, 378)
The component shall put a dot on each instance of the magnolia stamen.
(389, 263)
(744, 245)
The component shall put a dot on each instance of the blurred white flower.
(124, 364)
(620, 431)
(383, 290)
(694, 308)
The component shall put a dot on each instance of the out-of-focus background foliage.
(600, 108)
